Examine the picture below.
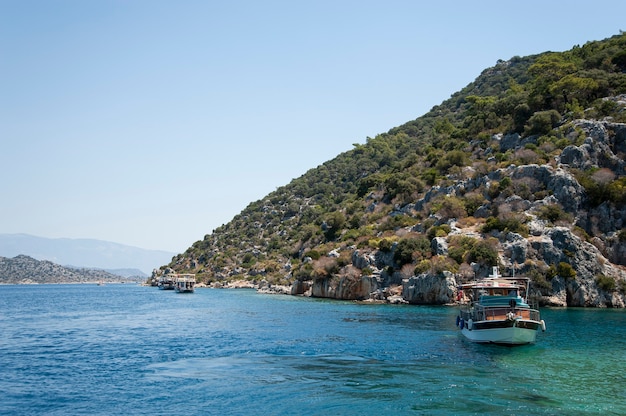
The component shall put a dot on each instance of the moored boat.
(496, 310)
(185, 283)
(166, 282)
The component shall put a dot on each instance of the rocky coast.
(568, 267)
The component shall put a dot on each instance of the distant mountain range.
(115, 258)
(26, 270)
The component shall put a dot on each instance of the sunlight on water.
(82, 349)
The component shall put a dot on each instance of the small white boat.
(495, 310)
(185, 283)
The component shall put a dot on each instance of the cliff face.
(344, 287)
(430, 289)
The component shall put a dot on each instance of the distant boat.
(496, 311)
(166, 282)
(185, 283)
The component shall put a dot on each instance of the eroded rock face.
(362, 260)
(605, 218)
(582, 293)
(615, 251)
(428, 289)
(515, 248)
(439, 246)
(344, 288)
(514, 140)
(561, 245)
(563, 186)
(300, 287)
(603, 142)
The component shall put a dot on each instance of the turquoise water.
(126, 349)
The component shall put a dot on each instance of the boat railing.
(481, 313)
(534, 315)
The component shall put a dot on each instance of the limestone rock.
(603, 140)
(514, 141)
(344, 288)
(439, 246)
(300, 287)
(515, 248)
(560, 245)
(362, 260)
(429, 289)
(564, 186)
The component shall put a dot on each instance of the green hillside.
(534, 147)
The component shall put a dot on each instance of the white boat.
(495, 310)
(185, 283)
(166, 281)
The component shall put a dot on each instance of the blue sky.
(151, 123)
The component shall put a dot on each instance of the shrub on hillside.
(606, 283)
(385, 245)
(553, 213)
(512, 224)
(565, 270)
(539, 281)
(438, 231)
(410, 249)
(484, 252)
(450, 207)
(472, 201)
(459, 247)
(542, 122)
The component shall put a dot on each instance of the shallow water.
(126, 349)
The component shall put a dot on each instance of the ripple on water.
(136, 350)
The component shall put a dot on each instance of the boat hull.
(506, 332)
(166, 286)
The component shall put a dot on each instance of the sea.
(126, 349)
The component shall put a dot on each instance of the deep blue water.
(133, 350)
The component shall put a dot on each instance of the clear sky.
(151, 123)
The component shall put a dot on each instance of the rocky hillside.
(524, 168)
(26, 270)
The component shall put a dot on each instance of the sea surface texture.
(132, 350)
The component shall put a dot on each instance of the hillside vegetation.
(524, 168)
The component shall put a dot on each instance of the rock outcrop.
(344, 288)
(600, 149)
(426, 289)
